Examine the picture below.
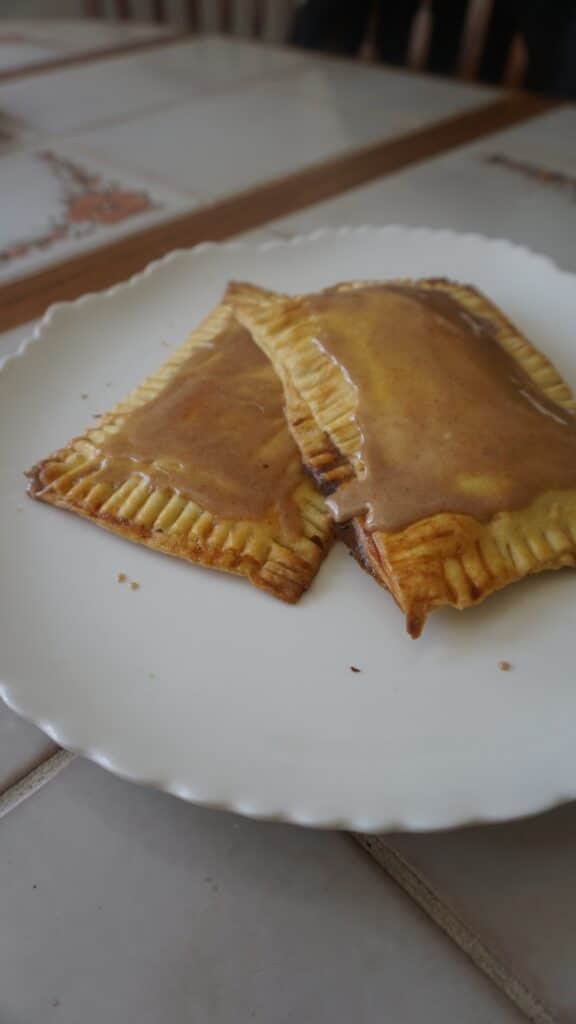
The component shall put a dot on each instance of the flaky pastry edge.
(444, 559)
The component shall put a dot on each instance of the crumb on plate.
(504, 666)
(121, 577)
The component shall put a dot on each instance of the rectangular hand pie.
(198, 462)
(445, 441)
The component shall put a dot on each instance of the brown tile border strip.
(27, 298)
(91, 56)
(431, 902)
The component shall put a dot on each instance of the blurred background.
(512, 42)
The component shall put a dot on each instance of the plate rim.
(246, 806)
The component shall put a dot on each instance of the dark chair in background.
(567, 72)
(510, 42)
(543, 26)
(469, 38)
(263, 19)
(342, 27)
(122, 9)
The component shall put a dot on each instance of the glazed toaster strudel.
(445, 441)
(198, 462)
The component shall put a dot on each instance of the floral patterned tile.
(57, 204)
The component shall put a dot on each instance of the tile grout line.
(421, 892)
(34, 780)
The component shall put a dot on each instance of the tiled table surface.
(28, 41)
(106, 148)
(466, 191)
(123, 903)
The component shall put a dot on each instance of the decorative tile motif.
(536, 172)
(88, 201)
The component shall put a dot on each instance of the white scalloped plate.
(201, 685)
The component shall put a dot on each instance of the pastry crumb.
(354, 668)
(83, 395)
(121, 577)
(504, 666)
(134, 585)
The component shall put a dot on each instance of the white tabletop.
(468, 191)
(121, 903)
(26, 42)
(160, 129)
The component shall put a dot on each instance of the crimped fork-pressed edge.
(461, 572)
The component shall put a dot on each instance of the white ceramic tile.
(74, 98)
(58, 202)
(78, 34)
(191, 147)
(122, 904)
(199, 146)
(323, 109)
(21, 52)
(514, 886)
(373, 101)
(26, 41)
(464, 192)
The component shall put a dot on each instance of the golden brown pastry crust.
(276, 561)
(445, 558)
